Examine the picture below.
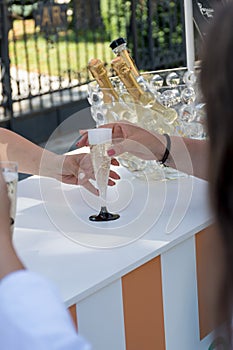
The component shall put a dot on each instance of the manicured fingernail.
(111, 152)
(77, 144)
(81, 176)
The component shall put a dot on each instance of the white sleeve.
(33, 316)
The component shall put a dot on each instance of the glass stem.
(103, 209)
(103, 196)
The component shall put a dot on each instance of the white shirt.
(33, 316)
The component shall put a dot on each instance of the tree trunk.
(87, 14)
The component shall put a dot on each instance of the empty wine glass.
(100, 140)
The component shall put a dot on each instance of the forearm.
(187, 155)
(27, 154)
(190, 156)
(9, 261)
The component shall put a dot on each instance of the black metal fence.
(45, 45)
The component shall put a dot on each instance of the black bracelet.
(167, 150)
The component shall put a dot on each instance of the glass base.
(104, 215)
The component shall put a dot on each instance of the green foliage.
(116, 16)
(84, 43)
(24, 11)
(165, 27)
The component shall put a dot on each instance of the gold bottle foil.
(99, 73)
(126, 76)
(130, 63)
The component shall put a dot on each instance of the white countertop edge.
(107, 281)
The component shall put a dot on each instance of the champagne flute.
(10, 173)
(100, 140)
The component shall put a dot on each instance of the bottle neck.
(130, 63)
(119, 48)
(99, 73)
(123, 51)
(124, 72)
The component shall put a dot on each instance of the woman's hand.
(75, 169)
(128, 137)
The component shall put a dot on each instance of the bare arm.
(27, 154)
(189, 156)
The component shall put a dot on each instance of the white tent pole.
(189, 34)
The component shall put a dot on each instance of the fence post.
(189, 34)
(133, 29)
(5, 25)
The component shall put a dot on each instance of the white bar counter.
(131, 283)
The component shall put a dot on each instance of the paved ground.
(25, 84)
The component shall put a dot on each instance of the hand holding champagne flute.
(100, 140)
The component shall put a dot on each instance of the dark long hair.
(217, 88)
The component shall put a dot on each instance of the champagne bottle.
(99, 73)
(119, 47)
(146, 98)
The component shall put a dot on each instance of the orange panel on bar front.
(143, 307)
(209, 271)
(73, 313)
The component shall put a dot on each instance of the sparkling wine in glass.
(100, 140)
(10, 173)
